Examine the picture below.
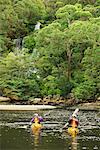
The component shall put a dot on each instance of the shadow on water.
(16, 134)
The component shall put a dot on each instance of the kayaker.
(73, 121)
(36, 125)
(37, 119)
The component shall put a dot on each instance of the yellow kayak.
(73, 131)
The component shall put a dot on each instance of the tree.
(18, 76)
(29, 42)
(89, 31)
(29, 12)
(89, 87)
(56, 58)
(69, 13)
(50, 46)
(18, 18)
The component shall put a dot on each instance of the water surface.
(15, 132)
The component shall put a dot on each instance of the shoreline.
(95, 106)
(25, 107)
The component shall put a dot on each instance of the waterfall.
(18, 43)
(37, 26)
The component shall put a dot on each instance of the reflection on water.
(74, 143)
(36, 137)
(36, 140)
(71, 141)
(16, 134)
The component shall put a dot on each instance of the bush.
(85, 90)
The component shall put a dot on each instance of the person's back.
(73, 122)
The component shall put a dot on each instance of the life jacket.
(73, 122)
(73, 131)
(36, 127)
(36, 120)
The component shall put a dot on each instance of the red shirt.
(73, 122)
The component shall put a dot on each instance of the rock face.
(55, 101)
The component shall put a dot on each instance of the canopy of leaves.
(18, 18)
(60, 58)
(17, 75)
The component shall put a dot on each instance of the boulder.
(34, 100)
(4, 99)
(98, 99)
(14, 98)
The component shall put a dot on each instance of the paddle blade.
(75, 112)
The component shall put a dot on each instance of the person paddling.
(73, 120)
(36, 125)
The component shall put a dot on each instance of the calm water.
(15, 133)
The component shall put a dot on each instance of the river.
(15, 132)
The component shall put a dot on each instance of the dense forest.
(50, 47)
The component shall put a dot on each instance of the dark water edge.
(15, 133)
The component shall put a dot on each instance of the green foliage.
(93, 10)
(66, 12)
(29, 42)
(48, 40)
(17, 75)
(49, 43)
(2, 46)
(69, 13)
(85, 90)
(84, 31)
(59, 58)
(91, 65)
(89, 84)
(50, 86)
(18, 18)
(29, 11)
(97, 3)
(83, 15)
